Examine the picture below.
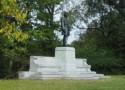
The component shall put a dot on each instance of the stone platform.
(63, 65)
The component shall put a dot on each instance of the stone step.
(54, 75)
(82, 78)
(50, 73)
(85, 72)
(45, 76)
(43, 66)
(47, 69)
(63, 77)
(85, 75)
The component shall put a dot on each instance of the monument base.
(63, 65)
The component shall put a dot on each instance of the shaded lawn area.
(113, 83)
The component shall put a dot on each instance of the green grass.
(113, 83)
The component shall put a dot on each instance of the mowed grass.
(113, 83)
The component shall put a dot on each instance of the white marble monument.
(63, 65)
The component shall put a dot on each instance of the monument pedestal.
(65, 57)
(63, 65)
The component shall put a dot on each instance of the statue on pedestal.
(65, 28)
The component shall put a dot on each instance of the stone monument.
(63, 66)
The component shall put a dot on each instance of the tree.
(12, 38)
(43, 35)
(119, 5)
(104, 38)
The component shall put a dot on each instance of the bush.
(101, 60)
(5, 69)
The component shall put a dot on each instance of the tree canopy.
(103, 41)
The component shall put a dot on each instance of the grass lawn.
(113, 83)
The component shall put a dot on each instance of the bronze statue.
(65, 28)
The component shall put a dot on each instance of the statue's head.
(65, 14)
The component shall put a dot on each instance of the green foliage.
(5, 68)
(43, 38)
(27, 28)
(12, 38)
(102, 60)
(42, 48)
(103, 42)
